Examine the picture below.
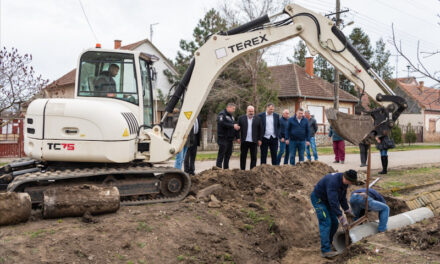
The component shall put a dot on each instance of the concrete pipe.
(14, 208)
(77, 200)
(370, 228)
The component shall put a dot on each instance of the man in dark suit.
(271, 133)
(250, 136)
(192, 143)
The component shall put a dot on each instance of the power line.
(88, 22)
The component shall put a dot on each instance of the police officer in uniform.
(226, 132)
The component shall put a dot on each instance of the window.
(108, 74)
(147, 92)
(317, 112)
(344, 110)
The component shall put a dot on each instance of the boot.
(384, 160)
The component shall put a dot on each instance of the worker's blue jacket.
(332, 192)
(372, 193)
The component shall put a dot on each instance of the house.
(423, 108)
(64, 87)
(299, 88)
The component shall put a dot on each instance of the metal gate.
(11, 138)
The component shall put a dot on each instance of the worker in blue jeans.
(376, 203)
(329, 194)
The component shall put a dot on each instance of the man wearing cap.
(329, 194)
(376, 203)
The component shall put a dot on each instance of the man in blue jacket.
(376, 203)
(298, 135)
(271, 133)
(329, 194)
(283, 146)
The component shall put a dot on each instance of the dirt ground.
(258, 216)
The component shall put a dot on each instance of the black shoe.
(363, 165)
(336, 161)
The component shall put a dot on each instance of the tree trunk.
(76, 200)
(14, 208)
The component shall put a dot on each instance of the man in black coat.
(192, 143)
(226, 131)
(249, 136)
(271, 133)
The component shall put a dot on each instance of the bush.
(396, 134)
(410, 136)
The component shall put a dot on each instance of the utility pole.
(151, 31)
(336, 87)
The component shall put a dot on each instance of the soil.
(259, 216)
(420, 236)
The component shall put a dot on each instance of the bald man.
(250, 135)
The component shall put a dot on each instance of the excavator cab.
(123, 76)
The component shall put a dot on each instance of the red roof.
(66, 79)
(427, 97)
(291, 80)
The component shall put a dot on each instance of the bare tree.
(253, 65)
(18, 81)
(419, 65)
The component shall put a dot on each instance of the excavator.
(108, 133)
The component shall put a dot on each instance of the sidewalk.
(352, 161)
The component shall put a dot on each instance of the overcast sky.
(56, 31)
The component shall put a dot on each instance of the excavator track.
(138, 183)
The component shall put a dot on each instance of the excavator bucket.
(353, 128)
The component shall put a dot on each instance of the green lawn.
(2, 164)
(325, 151)
(397, 180)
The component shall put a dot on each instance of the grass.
(142, 226)
(201, 156)
(3, 163)
(397, 180)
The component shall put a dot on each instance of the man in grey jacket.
(313, 127)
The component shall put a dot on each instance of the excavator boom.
(321, 36)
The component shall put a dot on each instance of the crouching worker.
(376, 203)
(329, 194)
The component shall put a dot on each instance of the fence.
(11, 138)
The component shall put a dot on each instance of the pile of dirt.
(422, 236)
(270, 204)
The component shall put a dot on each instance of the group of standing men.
(265, 130)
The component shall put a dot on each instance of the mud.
(14, 208)
(258, 216)
(425, 236)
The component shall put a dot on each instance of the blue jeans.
(357, 203)
(296, 145)
(384, 152)
(315, 152)
(180, 157)
(283, 148)
(328, 223)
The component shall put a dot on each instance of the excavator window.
(147, 92)
(108, 74)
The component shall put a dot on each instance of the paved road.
(352, 161)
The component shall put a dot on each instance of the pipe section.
(370, 228)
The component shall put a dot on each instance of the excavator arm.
(321, 36)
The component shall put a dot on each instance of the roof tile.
(291, 80)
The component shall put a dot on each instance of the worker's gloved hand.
(349, 213)
(343, 222)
